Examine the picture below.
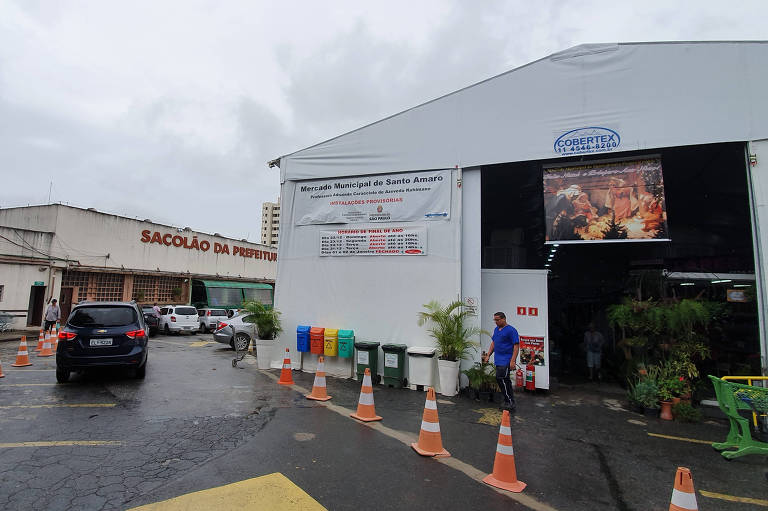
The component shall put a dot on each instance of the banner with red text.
(374, 241)
(402, 197)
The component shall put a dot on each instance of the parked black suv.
(102, 334)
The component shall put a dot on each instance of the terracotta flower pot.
(666, 410)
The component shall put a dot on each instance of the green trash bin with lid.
(394, 364)
(368, 356)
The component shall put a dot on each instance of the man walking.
(52, 315)
(593, 343)
(506, 345)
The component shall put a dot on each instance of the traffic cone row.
(430, 442)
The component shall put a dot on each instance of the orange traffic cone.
(286, 378)
(40, 341)
(683, 494)
(430, 442)
(366, 411)
(1, 371)
(319, 392)
(504, 473)
(22, 357)
(55, 338)
(46, 348)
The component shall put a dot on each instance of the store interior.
(709, 252)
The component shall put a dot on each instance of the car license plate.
(101, 342)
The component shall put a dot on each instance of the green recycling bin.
(394, 364)
(346, 343)
(368, 356)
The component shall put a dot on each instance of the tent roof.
(652, 95)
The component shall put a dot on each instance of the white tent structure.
(643, 96)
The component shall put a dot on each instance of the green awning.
(237, 285)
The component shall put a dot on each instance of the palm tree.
(266, 319)
(452, 336)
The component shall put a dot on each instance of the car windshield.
(186, 311)
(103, 316)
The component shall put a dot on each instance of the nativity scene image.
(620, 200)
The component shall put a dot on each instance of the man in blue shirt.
(506, 345)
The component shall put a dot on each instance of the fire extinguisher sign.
(532, 351)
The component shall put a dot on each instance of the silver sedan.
(234, 329)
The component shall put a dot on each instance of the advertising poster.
(402, 197)
(532, 351)
(608, 201)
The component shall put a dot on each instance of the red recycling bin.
(316, 340)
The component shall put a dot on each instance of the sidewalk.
(15, 335)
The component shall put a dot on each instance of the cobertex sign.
(193, 243)
(401, 197)
(593, 139)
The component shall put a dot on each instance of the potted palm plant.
(267, 325)
(453, 338)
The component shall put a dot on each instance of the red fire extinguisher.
(530, 377)
(519, 378)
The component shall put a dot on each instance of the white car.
(178, 318)
(209, 318)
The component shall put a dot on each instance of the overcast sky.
(169, 110)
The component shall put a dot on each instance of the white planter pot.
(449, 377)
(263, 352)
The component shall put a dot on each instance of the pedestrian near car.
(52, 315)
(506, 346)
(593, 344)
(157, 310)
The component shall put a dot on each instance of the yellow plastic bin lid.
(331, 332)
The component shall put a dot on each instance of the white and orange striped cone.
(55, 338)
(430, 442)
(286, 377)
(683, 494)
(40, 341)
(46, 348)
(504, 474)
(366, 411)
(319, 392)
(22, 357)
(1, 371)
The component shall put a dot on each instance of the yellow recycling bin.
(331, 348)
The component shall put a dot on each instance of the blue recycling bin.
(302, 338)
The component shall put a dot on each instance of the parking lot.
(108, 441)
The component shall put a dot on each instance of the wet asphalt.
(196, 422)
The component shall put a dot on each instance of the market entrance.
(709, 255)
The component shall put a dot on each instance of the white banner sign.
(389, 241)
(403, 197)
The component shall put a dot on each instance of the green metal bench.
(733, 397)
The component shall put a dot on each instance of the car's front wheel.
(62, 375)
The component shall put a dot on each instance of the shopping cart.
(241, 342)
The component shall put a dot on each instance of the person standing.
(157, 310)
(52, 315)
(593, 343)
(506, 345)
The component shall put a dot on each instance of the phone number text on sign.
(372, 242)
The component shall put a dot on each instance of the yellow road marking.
(197, 344)
(27, 385)
(170, 342)
(408, 438)
(274, 492)
(682, 439)
(59, 443)
(63, 405)
(731, 498)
